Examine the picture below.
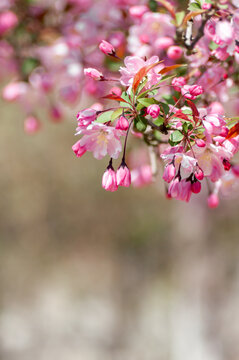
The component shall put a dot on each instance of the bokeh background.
(91, 275)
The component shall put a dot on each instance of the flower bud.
(226, 164)
(200, 143)
(213, 201)
(163, 43)
(106, 48)
(138, 11)
(86, 116)
(174, 52)
(109, 182)
(191, 91)
(122, 124)
(196, 187)
(78, 149)
(206, 6)
(153, 111)
(169, 173)
(199, 174)
(123, 175)
(55, 114)
(235, 170)
(93, 73)
(14, 90)
(31, 125)
(178, 83)
(8, 20)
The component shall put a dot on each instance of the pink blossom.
(163, 43)
(133, 65)
(138, 11)
(101, 140)
(93, 73)
(180, 190)
(78, 149)
(122, 123)
(13, 91)
(213, 124)
(175, 52)
(109, 182)
(200, 143)
(178, 83)
(216, 108)
(191, 91)
(206, 6)
(123, 175)
(153, 111)
(86, 117)
(106, 48)
(56, 114)
(196, 187)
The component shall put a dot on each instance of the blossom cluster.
(171, 97)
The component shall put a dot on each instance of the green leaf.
(176, 136)
(194, 7)
(165, 107)
(104, 117)
(157, 135)
(179, 17)
(147, 101)
(28, 65)
(169, 99)
(159, 121)
(116, 114)
(140, 123)
(153, 6)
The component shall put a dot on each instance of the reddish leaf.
(141, 74)
(114, 97)
(194, 110)
(166, 69)
(234, 131)
(168, 6)
(181, 115)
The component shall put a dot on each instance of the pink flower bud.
(163, 43)
(56, 114)
(196, 187)
(116, 90)
(206, 6)
(200, 143)
(224, 131)
(216, 108)
(213, 201)
(93, 73)
(8, 20)
(191, 91)
(153, 111)
(122, 124)
(86, 116)
(169, 173)
(123, 176)
(199, 174)
(174, 52)
(138, 11)
(78, 149)
(235, 170)
(109, 181)
(178, 83)
(106, 48)
(31, 125)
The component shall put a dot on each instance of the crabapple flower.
(109, 182)
(141, 176)
(101, 140)
(213, 201)
(123, 175)
(106, 48)
(93, 73)
(174, 52)
(86, 117)
(214, 124)
(8, 20)
(180, 190)
(191, 91)
(178, 83)
(78, 149)
(169, 173)
(31, 125)
(122, 124)
(133, 65)
(153, 111)
(196, 187)
(138, 11)
(163, 43)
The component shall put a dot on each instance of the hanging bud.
(122, 124)
(107, 48)
(78, 149)
(123, 175)
(213, 201)
(109, 182)
(199, 174)
(169, 173)
(196, 187)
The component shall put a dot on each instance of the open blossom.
(213, 124)
(178, 83)
(133, 65)
(180, 190)
(101, 140)
(86, 117)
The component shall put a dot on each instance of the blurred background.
(86, 274)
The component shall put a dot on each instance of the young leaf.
(166, 69)
(141, 74)
(194, 110)
(113, 97)
(147, 101)
(116, 114)
(104, 117)
(234, 131)
(176, 136)
(167, 6)
(179, 17)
